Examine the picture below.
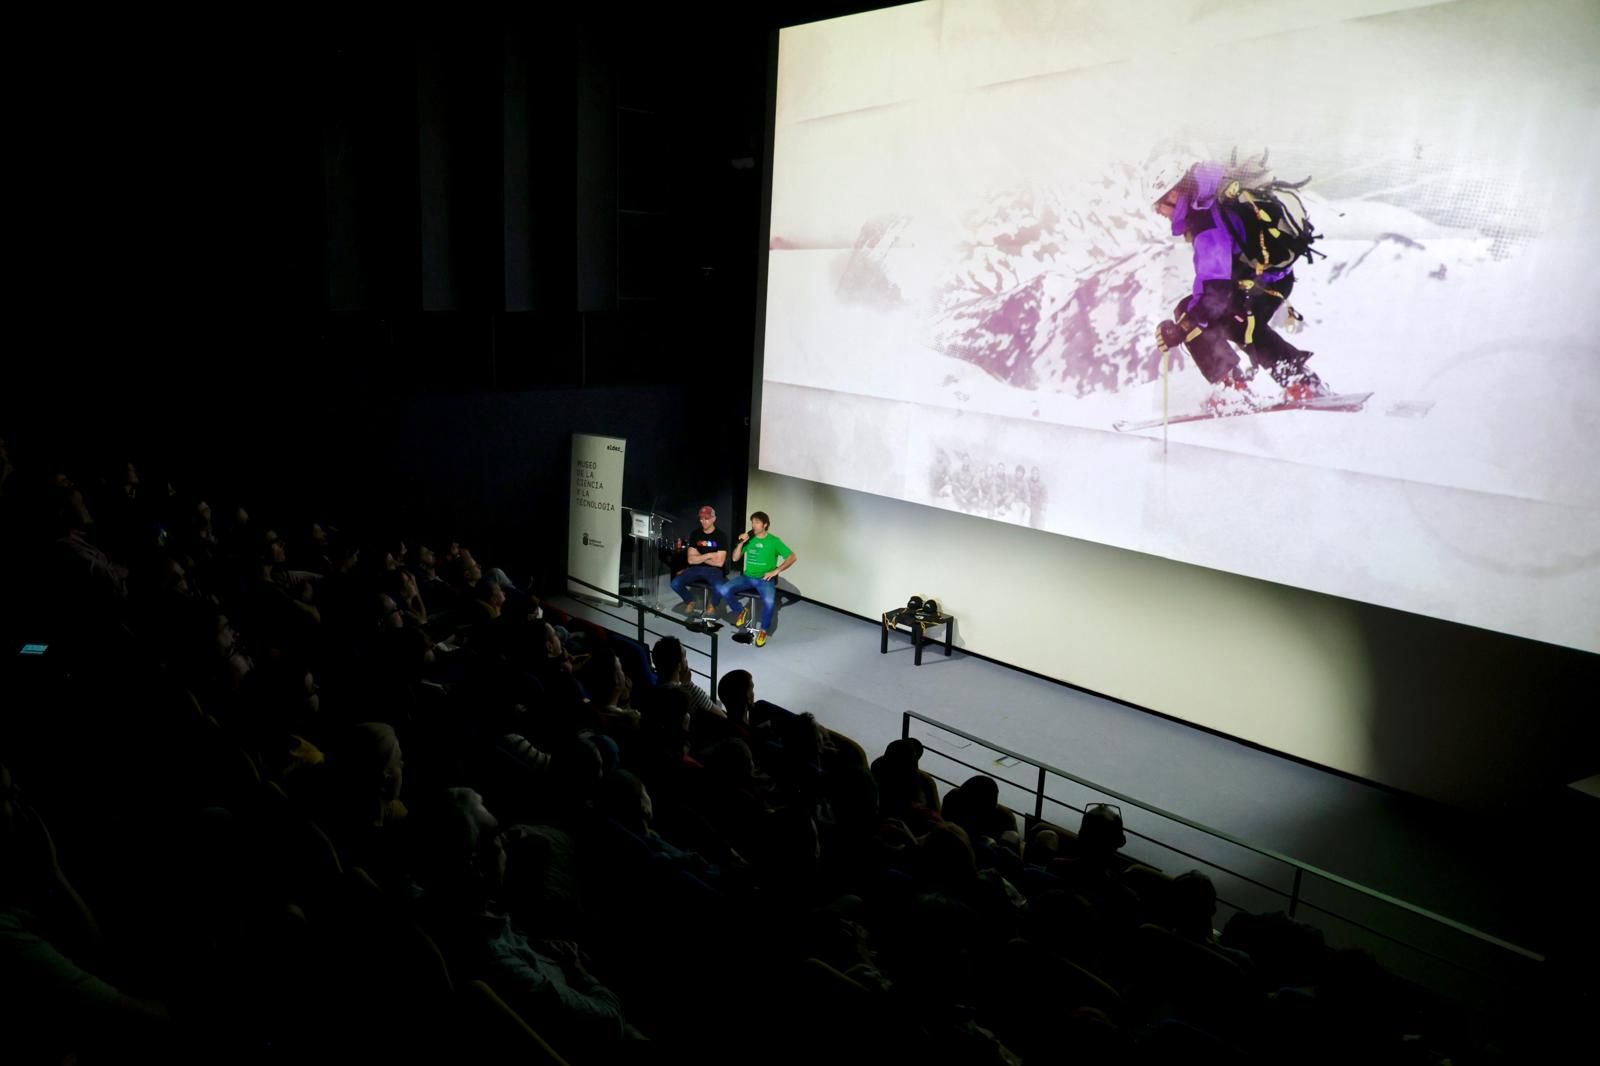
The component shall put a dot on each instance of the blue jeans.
(699, 574)
(744, 583)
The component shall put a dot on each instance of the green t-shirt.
(762, 554)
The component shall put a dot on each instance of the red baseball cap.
(708, 512)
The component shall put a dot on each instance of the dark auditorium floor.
(1450, 861)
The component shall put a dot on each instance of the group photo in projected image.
(993, 488)
(1182, 261)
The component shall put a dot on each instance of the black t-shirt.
(706, 543)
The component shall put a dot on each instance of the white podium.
(647, 531)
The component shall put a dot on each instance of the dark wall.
(577, 169)
(392, 262)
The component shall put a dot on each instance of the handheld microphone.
(750, 534)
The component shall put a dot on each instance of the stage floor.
(1450, 861)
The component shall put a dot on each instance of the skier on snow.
(1241, 277)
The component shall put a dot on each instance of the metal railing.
(1294, 895)
(635, 619)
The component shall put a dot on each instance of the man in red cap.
(708, 555)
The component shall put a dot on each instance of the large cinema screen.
(968, 268)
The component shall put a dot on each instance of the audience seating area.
(278, 791)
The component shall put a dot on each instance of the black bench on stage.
(918, 623)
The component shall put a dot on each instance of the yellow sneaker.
(761, 638)
(744, 617)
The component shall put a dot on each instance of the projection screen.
(966, 272)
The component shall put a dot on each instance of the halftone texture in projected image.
(966, 273)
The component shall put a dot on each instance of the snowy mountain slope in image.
(1044, 308)
(1058, 289)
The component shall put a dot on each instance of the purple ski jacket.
(1214, 246)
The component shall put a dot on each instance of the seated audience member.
(935, 979)
(346, 557)
(343, 595)
(1191, 906)
(201, 539)
(466, 560)
(462, 869)
(487, 603)
(316, 552)
(786, 854)
(577, 769)
(274, 551)
(948, 863)
(660, 755)
(797, 771)
(527, 665)
(435, 591)
(358, 801)
(531, 764)
(237, 530)
(854, 852)
(276, 607)
(1091, 870)
(542, 893)
(975, 806)
(280, 704)
(708, 560)
(223, 664)
(1067, 925)
(735, 792)
(1043, 846)
(1355, 1012)
(388, 613)
(90, 573)
(672, 671)
(739, 687)
(54, 1008)
(736, 691)
(765, 556)
(627, 802)
(903, 792)
(401, 586)
(465, 575)
(1284, 952)
(1100, 834)
(128, 511)
(609, 692)
(556, 788)
(177, 607)
(556, 659)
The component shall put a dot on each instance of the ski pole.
(1165, 356)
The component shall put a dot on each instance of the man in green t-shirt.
(765, 556)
